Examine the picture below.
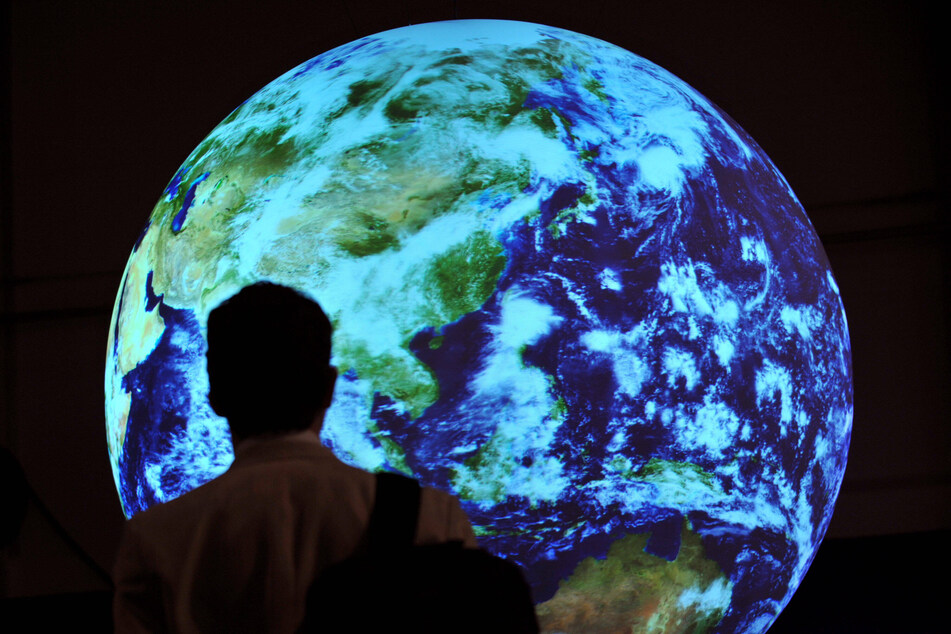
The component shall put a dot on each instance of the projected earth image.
(565, 287)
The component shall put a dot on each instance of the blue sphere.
(565, 287)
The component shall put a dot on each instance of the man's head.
(269, 361)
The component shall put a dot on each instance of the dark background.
(103, 100)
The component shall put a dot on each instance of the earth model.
(565, 288)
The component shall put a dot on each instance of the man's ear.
(329, 382)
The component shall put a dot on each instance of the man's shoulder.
(262, 468)
(170, 514)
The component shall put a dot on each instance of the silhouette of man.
(239, 553)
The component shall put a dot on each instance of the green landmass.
(505, 465)
(677, 482)
(658, 470)
(377, 194)
(395, 456)
(464, 276)
(397, 374)
(484, 476)
(595, 87)
(186, 263)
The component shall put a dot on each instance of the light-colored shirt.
(239, 553)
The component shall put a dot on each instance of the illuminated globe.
(565, 287)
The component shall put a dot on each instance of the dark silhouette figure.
(269, 366)
(239, 553)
